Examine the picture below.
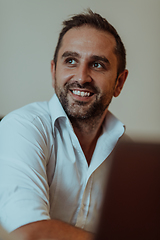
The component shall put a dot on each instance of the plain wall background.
(28, 35)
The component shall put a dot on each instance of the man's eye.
(70, 61)
(97, 65)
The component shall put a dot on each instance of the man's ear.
(120, 82)
(53, 73)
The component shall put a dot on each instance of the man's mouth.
(82, 93)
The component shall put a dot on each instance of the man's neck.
(88, 132)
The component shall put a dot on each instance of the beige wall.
(28, 34)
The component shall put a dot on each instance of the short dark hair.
(97, 21)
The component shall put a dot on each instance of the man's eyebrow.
(70, 54)
(93, 57)
(100, 58)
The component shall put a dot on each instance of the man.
(55, 155)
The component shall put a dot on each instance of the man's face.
(86, 72)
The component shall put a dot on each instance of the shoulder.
(31, 123)
(32, 114)
(31, 111)
(27, 132)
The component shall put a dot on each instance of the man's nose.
(83, 74)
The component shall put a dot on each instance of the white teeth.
(82, 94)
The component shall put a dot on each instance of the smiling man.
(56, 169)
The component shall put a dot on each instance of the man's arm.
(51, 229)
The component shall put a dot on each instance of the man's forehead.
(88, 37)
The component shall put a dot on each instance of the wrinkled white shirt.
(43, 170)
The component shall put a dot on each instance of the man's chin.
(81, 110)
(78, 113)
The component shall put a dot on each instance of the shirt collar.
(112, 127)
(56, 108)
(112, 131)
(57, 111)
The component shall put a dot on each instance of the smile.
(82, 93)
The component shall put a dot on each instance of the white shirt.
(43, 171)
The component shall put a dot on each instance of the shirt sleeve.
(24, 190)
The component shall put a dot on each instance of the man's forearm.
(52, 229)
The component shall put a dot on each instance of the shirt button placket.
(85, 204)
